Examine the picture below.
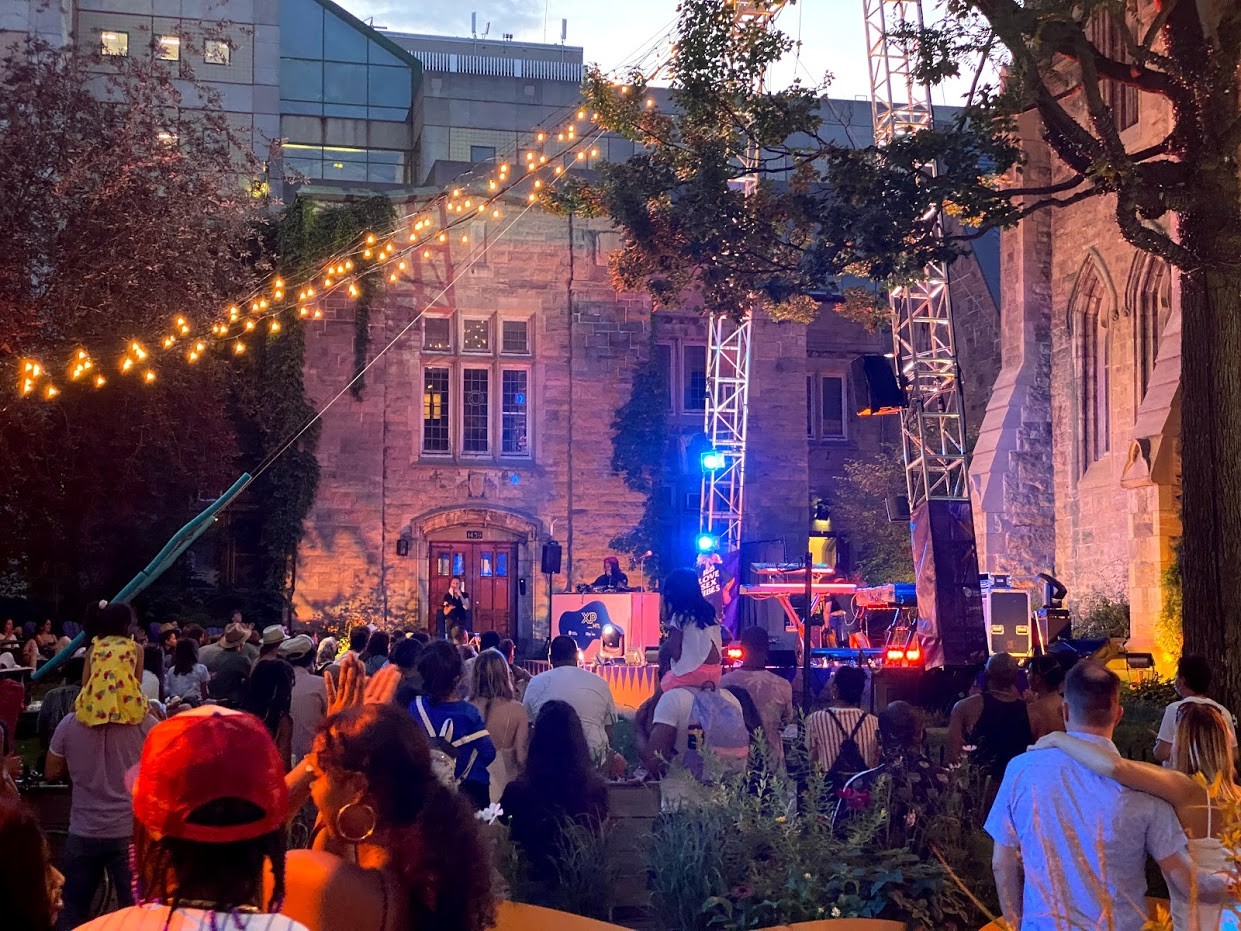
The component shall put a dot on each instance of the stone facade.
(1077, 467)
(381, 485)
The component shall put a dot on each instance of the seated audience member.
(269, 644)
(209, 808)
(842, 739)
(693, 633)
(491, 692)
(914, 783)
(359, 637)
(772, 694)
(187, 678)
(405, 654)
(460, 637)
(269, 697)
(230, 667)
(196, 633)
(41, 646)
(560, 784)
(996, 722)
(96, 760)
(589, 695)
(670, 742)
(1070, 844)
(153, 673)
(168, 634)
(58, 703)
(374, 655)
(30, 886)
(1046, 709)
(521, 678)
(458, 723)
(326, 654)
(489, 640)
(643, 718)
(308, 700)
(399, 850)
(1193, 679)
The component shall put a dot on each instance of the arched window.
(1092, 358)
(1151, 300)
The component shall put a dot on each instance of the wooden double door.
(488, 573)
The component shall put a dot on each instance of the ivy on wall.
(640, 437)
(269, 397)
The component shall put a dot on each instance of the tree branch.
(1148, 239)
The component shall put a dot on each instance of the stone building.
(486, 429)
(1076, 470)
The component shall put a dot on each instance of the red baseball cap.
(201, 756)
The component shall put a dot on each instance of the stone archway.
(483, 527)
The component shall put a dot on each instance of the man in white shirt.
(309, 703)
(669, 740)
(586, 692)
(1071, 845)
(1193, 678)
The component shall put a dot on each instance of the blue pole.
(178, 544)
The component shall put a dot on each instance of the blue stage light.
(707, 543)
(712, 460)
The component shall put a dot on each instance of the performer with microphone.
(612, 576)
(456, 608)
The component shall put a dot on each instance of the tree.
(120, 211)
(821, 211)
(879, 547)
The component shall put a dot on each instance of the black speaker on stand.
(549, 563)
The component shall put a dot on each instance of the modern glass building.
(348, 98)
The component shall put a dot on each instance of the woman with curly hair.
(397, 849)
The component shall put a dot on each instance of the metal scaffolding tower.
(933, 422)
(728, 364)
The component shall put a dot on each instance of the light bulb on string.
(250, 325)
(238, 348)
(100, 381)
(275, 326)
(370, 239)
(148, 376)
(126, 364)
(317, 314)
(353, 289)
(349, 265)
(303, 311)
(426, 253)
(51, 392)
(278, 284)
(138, 351)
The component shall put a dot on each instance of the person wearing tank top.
(993, 727)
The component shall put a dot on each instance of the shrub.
(748, 858)
(1100, 617)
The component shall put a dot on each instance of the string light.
(339, 271)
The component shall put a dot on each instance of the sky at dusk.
(831, 31)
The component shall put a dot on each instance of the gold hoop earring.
(356, 838)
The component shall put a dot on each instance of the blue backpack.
(717, 731)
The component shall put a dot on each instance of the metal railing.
(500, 66)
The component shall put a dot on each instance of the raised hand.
(348, 689)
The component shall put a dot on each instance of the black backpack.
(849, 761)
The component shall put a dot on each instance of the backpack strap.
(857, 727)
(835, 720)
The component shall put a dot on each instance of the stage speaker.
(1053, 624)
(898, 509)
(550, 564)
(874, 378)
(1006, 612)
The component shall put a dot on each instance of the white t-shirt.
(155, 918)
(1167, 727)
(586, 692)
(674, 709)
(696, 644)
(150, 685)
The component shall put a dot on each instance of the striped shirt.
(823, 737)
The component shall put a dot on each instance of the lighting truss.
(728, 360)
(933, 424)
(728, 391)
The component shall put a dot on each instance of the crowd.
(190, 756)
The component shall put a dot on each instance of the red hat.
(201, 756)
